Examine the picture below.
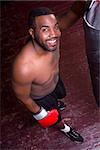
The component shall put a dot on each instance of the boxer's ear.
(31, 32)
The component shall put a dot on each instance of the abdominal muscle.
(41, 90)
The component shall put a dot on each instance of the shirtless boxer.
(36, 81)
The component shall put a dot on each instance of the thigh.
(48, 102)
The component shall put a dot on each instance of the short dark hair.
(39, 11)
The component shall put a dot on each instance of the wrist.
(37, 109)
(42, 113)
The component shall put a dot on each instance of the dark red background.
(19, 131)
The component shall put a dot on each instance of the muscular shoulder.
(23, 66)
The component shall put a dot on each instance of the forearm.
(29, 103)
(69, 18)
(32, 105)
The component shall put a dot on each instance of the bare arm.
(21, 83)
(76, 11)
(23, 94)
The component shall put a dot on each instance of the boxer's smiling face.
(47, 33)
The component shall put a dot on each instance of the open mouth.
(52, 42)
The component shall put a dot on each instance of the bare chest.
(47, 69)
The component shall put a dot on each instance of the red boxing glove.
(46, 118)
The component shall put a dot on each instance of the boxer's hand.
(46, 118)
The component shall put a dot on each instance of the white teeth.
(52, 41)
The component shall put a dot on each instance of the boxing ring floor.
(18, 129)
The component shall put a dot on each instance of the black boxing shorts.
(50, 101)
